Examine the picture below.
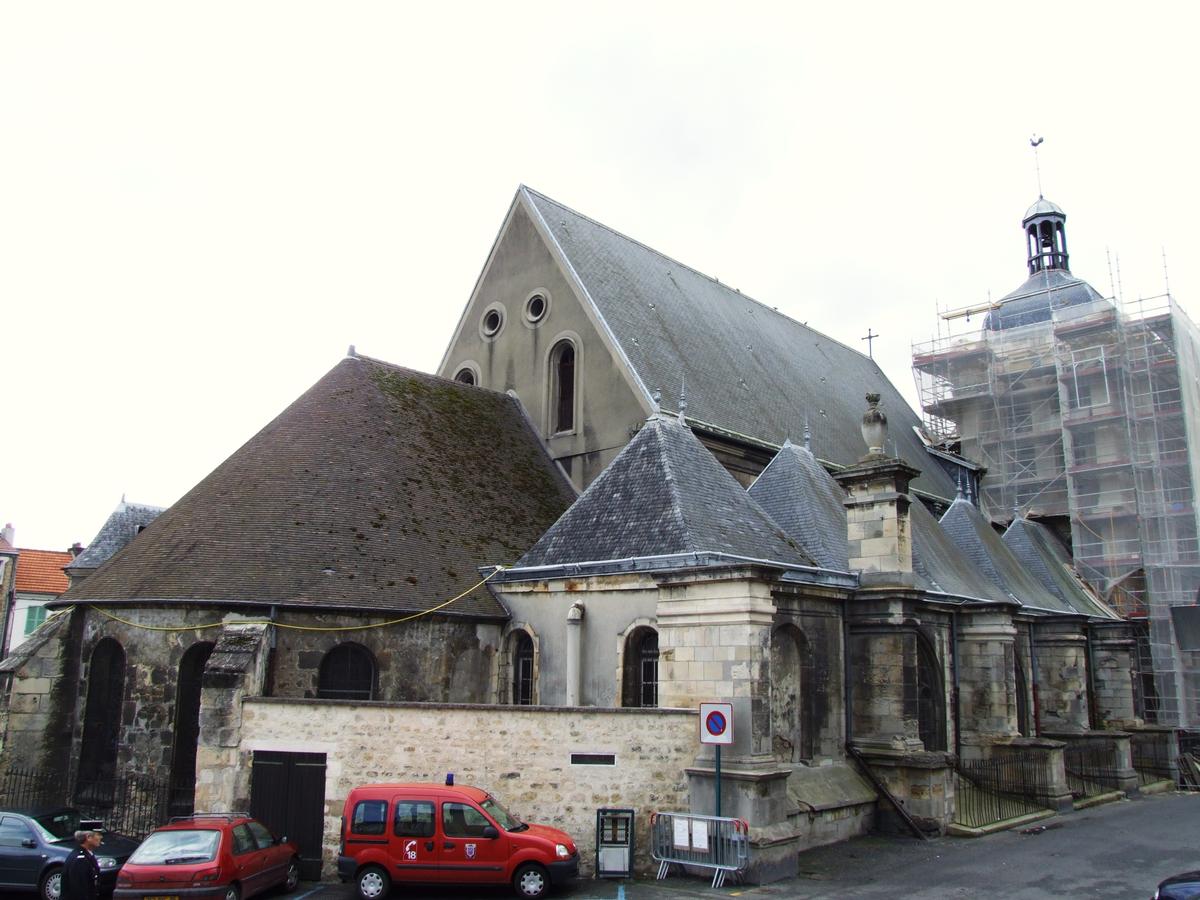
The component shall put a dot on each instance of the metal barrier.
(988, 791)
(1090, 768)
(711, 842)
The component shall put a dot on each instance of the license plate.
(162, 897)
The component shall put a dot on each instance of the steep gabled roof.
(749, 369)
(1047, 560)
(121, 527)
(988, 553)
(380, 488)
(664, 494)
(796, 491)
(939, 565)
(41, 571)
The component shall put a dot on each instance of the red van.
(446, 834)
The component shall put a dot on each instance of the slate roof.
(664, 494)
(1036, 299)
(987, 552)
(939, 565)
(749, 369)
(41, 571)
(121, 527)
(1047, 560)
(380, 488)
(797, 492)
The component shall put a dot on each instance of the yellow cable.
(178, 628)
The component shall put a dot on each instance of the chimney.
(878, 531)
(9, 534)
(75, 549)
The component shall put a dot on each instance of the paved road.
(1120, 850)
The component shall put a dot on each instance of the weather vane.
(1035, 142)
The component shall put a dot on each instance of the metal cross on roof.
(869, 338)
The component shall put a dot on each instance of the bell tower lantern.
(1046, 236)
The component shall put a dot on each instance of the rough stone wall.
(429, 659)
(986, 678)
(823, 683)
(878, 663)
(1062, 664)
(1113, 653)
(520, 754)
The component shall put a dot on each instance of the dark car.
(223, 856)
(35, 842)
(1185, 886)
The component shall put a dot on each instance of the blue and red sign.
(716, 723)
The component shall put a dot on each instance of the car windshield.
(170, 848)
(60, 824)
(506, 820)
(45, 833)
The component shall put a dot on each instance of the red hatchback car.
(221, 856)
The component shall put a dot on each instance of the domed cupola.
(1046, 236)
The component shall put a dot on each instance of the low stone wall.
(520, 754)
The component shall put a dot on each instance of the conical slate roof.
(121, 527)
(380, 488)
(797, 492)
(1046, 559)
(664, 494)
(987, 552)
(939, 565)
(749, 369)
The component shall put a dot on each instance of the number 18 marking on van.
(410, 850)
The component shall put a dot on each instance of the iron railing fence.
(1091, 768)
(1008, 786)
(133, 805)
(1151, 756)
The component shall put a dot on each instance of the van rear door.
(413, 847)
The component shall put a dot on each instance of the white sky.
(202, 205)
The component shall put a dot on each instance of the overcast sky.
(202, 205)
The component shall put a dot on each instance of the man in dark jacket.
(81, 872)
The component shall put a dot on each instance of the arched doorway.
(792, 726)
(102, 721)
(187, 728)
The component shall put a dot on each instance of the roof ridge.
(684, 265)
(671, 480)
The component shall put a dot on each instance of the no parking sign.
(716, 723)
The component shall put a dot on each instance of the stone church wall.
(521, 754)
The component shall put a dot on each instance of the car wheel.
(531, 881)
(233, 892)
(50, 886)
(373, 883)
(292, 878)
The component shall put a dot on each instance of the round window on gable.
(465, 376)
(536, 307)
(492, 321)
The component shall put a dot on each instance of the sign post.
(716, 727)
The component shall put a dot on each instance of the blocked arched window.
(931, 698)
(102, 715)
(187, 727)
(347, 673)
(521, 651)
(562, 387)
(793, 730)
(639, 676)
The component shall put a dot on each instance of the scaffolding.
(1084, 419)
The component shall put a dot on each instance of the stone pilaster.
(986, 679)
(1060, 645)
(1114, 656)
(879, 538)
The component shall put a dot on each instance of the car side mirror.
(29, 842)
(281, 840)
(489, 831)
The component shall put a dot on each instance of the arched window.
(522, 668)
(465, 376)
(931, 701)
(102, 717)
(562, 387)
(187, 728)
(793, 729)
(639, 676)
(347, 673)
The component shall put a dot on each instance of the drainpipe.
(1033, 673)
(954, 678)
(574, 627)
(1091, 679)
